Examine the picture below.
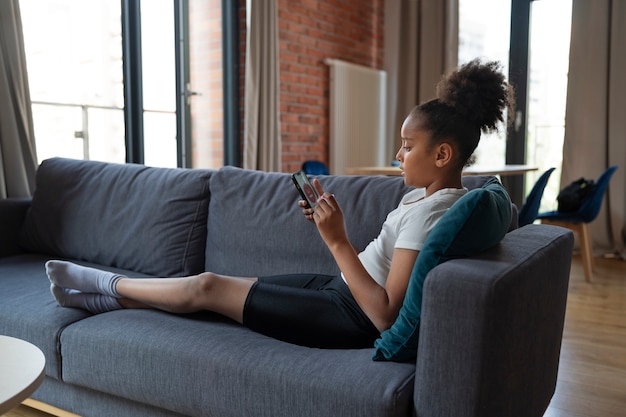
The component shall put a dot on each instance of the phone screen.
(305, 188)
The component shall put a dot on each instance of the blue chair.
(579, 220)
(314, 168)
(530, 208)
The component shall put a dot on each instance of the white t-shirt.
(407, 227)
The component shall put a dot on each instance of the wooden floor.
(592, 374)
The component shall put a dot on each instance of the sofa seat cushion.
(29, 311)
(476, 222)
(151, 220)
(205, 365)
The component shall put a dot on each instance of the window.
(532, 36)
(75, 64)
(74, 59)
(159, 82)
(486, 35)
(547, 91)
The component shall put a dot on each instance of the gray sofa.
(490, 333)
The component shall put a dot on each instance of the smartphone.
(305, 188)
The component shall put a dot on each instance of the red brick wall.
(309, 32)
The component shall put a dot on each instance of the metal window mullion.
(133, 86)
(518, 76)
(230, 66)
(183, 114)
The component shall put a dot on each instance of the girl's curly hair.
(471, 99)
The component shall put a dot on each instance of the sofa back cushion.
(257, 228)
(149, 220)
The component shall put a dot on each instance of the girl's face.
(417, 155)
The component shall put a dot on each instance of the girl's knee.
(206, 282)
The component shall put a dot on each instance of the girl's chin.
(409, 183)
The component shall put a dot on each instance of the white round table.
(21, 371)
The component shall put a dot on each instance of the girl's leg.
(319, 311)
(218, 293)
(99, 291)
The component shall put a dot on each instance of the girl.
(350, 310)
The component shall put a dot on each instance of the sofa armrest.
(12, 214)
(492, 326)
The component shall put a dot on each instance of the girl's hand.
(329, 218)
(306, 210)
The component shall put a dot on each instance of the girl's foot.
(84, 279)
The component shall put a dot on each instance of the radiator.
(357, 116)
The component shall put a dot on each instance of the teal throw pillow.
(476, 222)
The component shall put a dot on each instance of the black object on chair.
(530, 208)
(314, 168)
(579, 220)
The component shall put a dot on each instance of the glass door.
(533, 38)
(74, 58)
(75, 61)
(159, 82)
(550, 24)
(484, 32)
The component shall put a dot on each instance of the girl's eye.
(406, 148)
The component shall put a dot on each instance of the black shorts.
(309, 310)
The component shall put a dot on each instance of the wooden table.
(21, 371)
(503, 170)
(509, 169)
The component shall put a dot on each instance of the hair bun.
(478, 92)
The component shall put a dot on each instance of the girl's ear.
(444, 154)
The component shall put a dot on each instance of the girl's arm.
(380, 304)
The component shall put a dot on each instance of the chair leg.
(586, 250)
(584, 239)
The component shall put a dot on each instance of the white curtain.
(262, 144)
(18, 159)
(595, 121)
(421, 44)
